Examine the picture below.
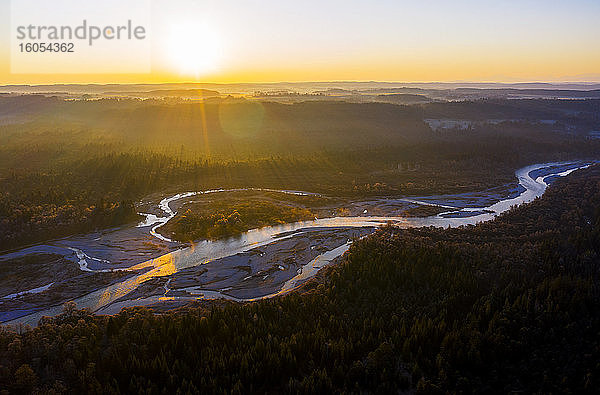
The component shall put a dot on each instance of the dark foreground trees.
(510, 305)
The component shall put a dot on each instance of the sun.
(193, 49)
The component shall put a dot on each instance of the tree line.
(508, 305)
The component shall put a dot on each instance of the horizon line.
(453, 82)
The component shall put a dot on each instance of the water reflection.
(209, 251)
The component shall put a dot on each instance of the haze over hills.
(219, 210)
(302, 87)
(315, 197)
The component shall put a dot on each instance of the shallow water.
(222, 256)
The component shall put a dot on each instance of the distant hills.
(333, 87)
(188, 93)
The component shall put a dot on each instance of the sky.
(408, 41)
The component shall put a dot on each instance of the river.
(250, 267)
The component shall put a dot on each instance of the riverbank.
(234, 268)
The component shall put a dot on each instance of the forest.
(232, 215)
(511, 305)
(68, 167)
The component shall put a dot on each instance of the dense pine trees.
(73, 166)
(509, 305)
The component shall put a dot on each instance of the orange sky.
(264, 41)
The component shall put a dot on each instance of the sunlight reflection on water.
(208, 251)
